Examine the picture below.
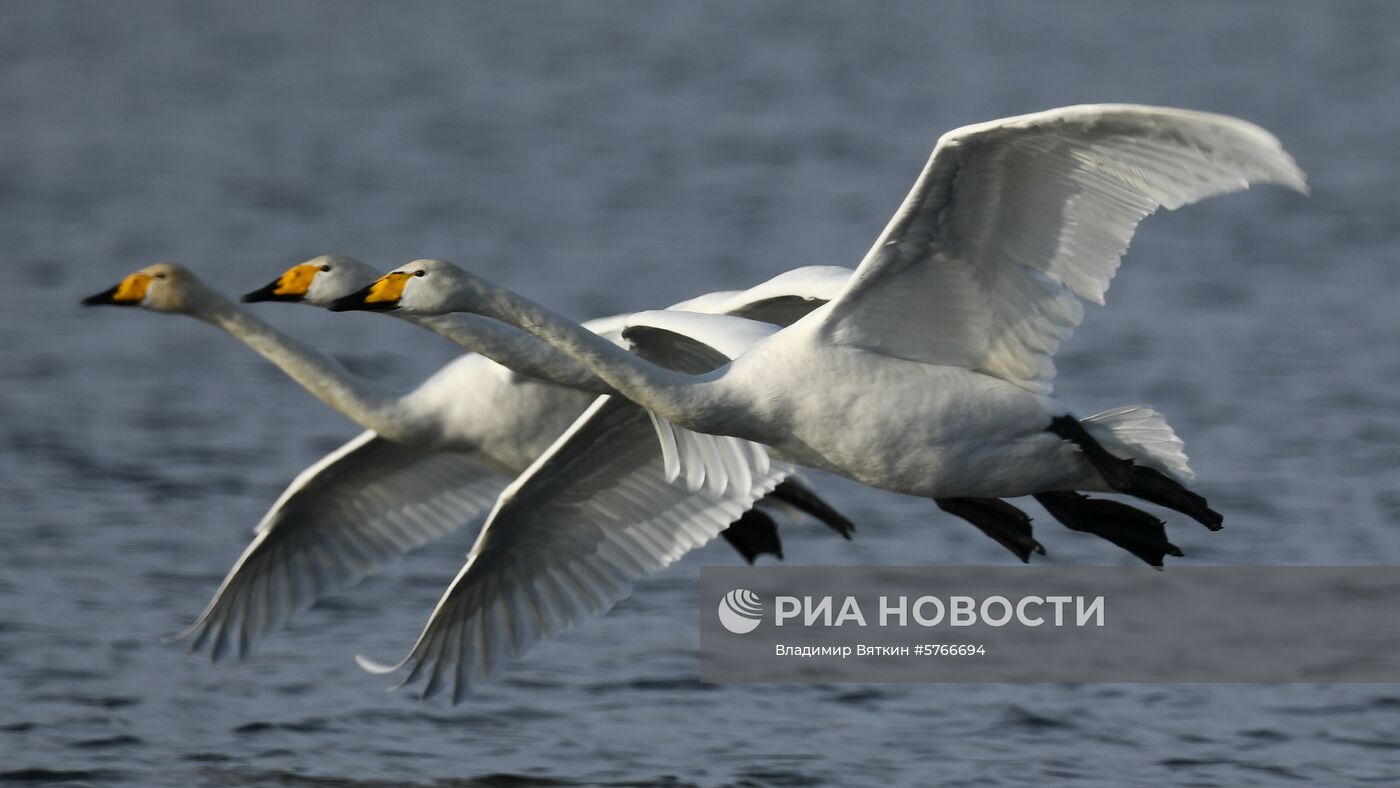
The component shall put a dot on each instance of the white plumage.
(928, 371)
(432, 461)
(1012, 219)
(929, 374)
(567, 540)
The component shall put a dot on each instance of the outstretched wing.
(1012, 219)
(363, 505)
(567, 539)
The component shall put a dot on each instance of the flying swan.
(541, 563)
(930, 374)
(1136, 432)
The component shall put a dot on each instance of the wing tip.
(377, 668)
(167, 640)
(1296, 179)
(201, 630)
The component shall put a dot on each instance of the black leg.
(1129, 478)
(1009, 526)
(1131, 529)
(753, 535)
(791, 492)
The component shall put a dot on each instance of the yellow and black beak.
(290, 287)
(128, 292)
(382, 296)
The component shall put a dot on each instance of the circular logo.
(740, 611)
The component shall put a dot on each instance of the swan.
(538, 567)
(931, 373)
(429, 462)
(1133, 431)
(506, 596)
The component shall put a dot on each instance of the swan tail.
(1139, 433)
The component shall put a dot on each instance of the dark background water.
(611, 156)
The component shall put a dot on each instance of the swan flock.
(601, 452)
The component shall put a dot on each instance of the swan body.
(987, 439)
(1130, 432)
(931, 372)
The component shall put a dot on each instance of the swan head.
(163, 287)
(317, 282)
(422, 287)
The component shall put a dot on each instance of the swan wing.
(693, 342)
(610, 326)
(566, 541)
(363, 505)
(709, 302)
(1012, 221)
(789, 296)
(696, 343)
(782, 300)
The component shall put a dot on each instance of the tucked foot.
(753, 535)
(1156, 487)
(795, 494)
(1129, 478)
(1009, 526)
(1131, 529)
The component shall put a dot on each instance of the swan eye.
(325, 268)
(420, 272)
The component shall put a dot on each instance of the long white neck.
(366, 403)
(510, 347)
(687, 400)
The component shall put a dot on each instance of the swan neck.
(659, 389)
(364, 402)
(512, 348)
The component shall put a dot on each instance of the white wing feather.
(815, 283)
(1140, 433)
(363, 505)
(695, 343)
(1011, 220)
(566, 540)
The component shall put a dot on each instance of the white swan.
(931, 373)
(431, 461)
(540, 563)
(1134, 431)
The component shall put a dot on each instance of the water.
(677, 148)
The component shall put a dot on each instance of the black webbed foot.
(1009, 526)
(753, 535)
(1131, 529)
(1129, 478)
(795, 494)
(1156, 487)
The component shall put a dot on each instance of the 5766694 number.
(949, 649)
